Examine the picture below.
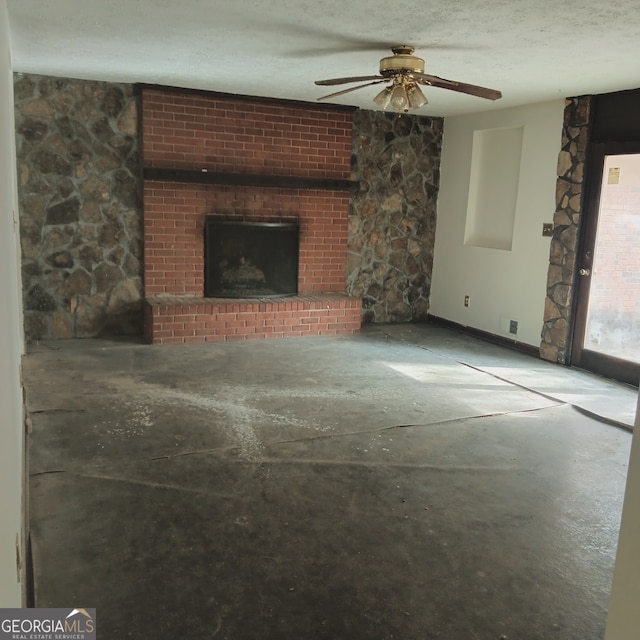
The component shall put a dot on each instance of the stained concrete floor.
(407, 483)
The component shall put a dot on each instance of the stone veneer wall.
(80, 208)
(393, 215)
(562, 259)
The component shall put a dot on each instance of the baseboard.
(486, 336)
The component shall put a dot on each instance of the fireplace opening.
(250, 259)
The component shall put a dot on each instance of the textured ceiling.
(532, 50)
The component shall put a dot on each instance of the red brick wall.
(194, 131)
(615, 285)
(197, 131)
(174, 216)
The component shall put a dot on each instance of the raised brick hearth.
(223, 151)
(175, 319)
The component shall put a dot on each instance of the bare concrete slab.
(371, 486)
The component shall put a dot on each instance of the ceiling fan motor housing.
(402, 61)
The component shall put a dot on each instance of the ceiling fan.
(405, 72)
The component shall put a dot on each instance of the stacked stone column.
(393, 215)
(562, 258)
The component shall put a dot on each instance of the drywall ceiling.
(532, 50)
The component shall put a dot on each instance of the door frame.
(622, 370)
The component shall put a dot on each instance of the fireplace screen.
(250, 259)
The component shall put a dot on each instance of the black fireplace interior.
(250, 259)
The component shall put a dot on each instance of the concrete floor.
(407, 483)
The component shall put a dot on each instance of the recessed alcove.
(493, 188)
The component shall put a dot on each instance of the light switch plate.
(547, 229)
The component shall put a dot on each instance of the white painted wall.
(624, 608)
(11, 342)
(502, 284)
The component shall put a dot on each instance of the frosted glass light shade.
(399, 98)
(383, 98)
(416, 98)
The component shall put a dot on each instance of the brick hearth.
(302, 153)
(175, 319)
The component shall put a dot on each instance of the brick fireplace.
(218, 157)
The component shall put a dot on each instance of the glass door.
(607, 321)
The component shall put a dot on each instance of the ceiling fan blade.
(462, 87)
(333, 81)
(360, 86)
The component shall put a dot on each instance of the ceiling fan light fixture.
(417, 99)
(399, 98)
(383, 99)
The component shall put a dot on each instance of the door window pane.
(613, 320)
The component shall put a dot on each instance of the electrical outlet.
(466, 301)
(513, 326)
